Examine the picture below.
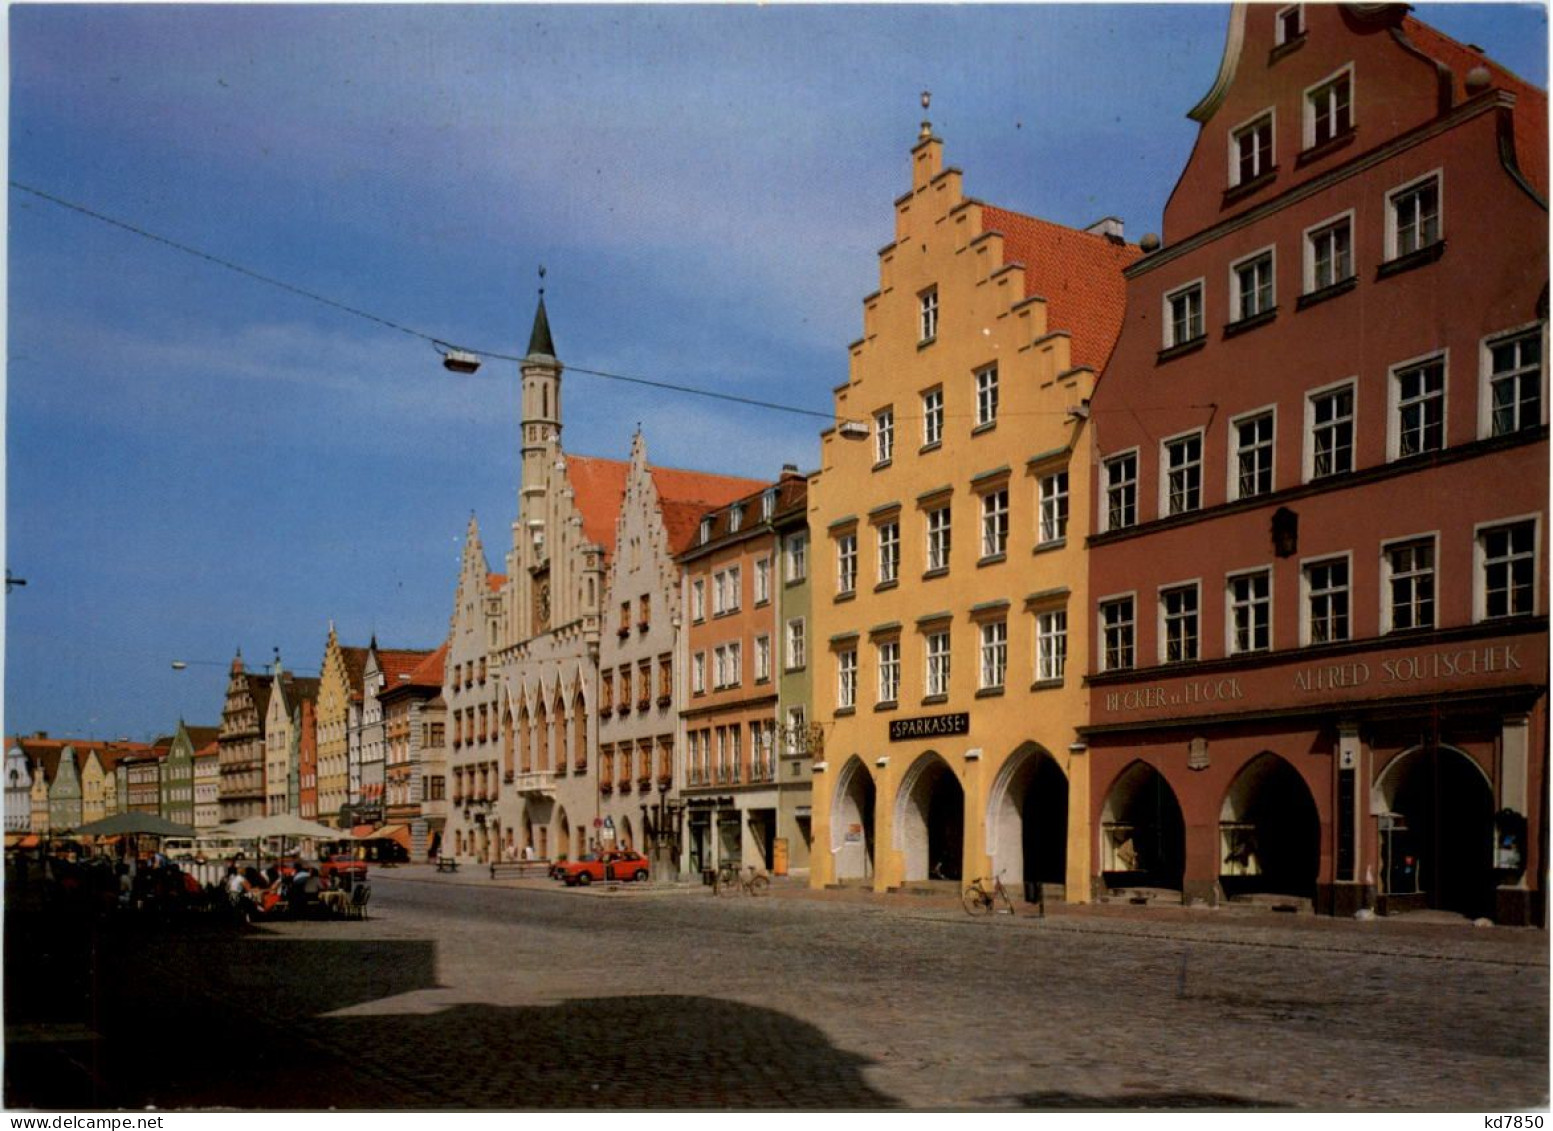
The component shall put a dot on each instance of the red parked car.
(616, 864)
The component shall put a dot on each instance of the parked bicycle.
(728, 879)
(981, 900)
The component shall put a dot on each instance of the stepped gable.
(598, 486)
(1079, 274)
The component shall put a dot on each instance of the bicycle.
(979, 900)
(729, 878)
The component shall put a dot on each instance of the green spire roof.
(539, 342)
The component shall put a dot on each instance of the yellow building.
(948, 632)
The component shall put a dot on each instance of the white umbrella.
(282, 824)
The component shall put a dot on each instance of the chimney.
(790, 471)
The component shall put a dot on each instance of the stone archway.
(1142, 834)
(1436, 831)
(852, 822)
(1027, 821)
(930, 821)
(1269, 831)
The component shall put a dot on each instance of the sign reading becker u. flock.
(929, 726)
(1376, 673)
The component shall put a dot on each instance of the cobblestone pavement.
(463, 993)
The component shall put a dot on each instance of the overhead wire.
(438, 342)
(443, 345)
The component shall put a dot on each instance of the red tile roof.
(599, 487)
(1531, 102)
(397, 664)
(429, 672)
(1079, 274)
(355, 664)
(494, 581)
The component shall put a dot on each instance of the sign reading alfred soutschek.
(929, 726)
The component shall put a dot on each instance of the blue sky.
(197, 462)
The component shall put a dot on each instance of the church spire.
(540, 344)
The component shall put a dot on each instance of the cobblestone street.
(462, 993)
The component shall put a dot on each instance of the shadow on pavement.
(206, 1014)
(1140, 1101)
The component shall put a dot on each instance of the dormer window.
(767, 504)
(735, 517)
(706, 529)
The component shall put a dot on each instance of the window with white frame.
(889, 536)
(795, 644)
(1326, 601)
(735, 664)
(846, 679)
(1514, 378)
(1121, 491)
(1251, 150)
(1508, 554)
(698, 599)
(1253, 438)
(720, 666)
(1409, 584)
(1250, 612)
(1418, 394)
(1054, 507)
(884, 435)
(1329, 254)
(1051, 644)
(735, 588)
(1184, 315)
(1183, 474)
(797, 732)
(762, 580)
(994, 654)
(698, 673)
(846, 563)
(762, 658)
(1116, 632)
(1413, 217)
(735, 517)
(1252, 293)
(927, 315)
(1331, 431)
(994, 523)
(938, 538)
(986, 396)
(888, 653)
(768, 504)
(1290, 24)
(932, 416)
(1178, 624)
(797, 557)
(719, 593)
(938, 663)
(1329, 109)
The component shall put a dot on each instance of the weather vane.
(541, 280)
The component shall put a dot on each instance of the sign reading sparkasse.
(929, 726)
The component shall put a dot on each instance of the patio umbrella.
(133, 824)
(281, 824)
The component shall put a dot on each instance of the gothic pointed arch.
(1142, 834)
(852, 822)
(1027, 818)
(929, 820)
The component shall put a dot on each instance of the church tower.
(541, 374)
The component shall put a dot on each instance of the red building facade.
(1317, 577)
